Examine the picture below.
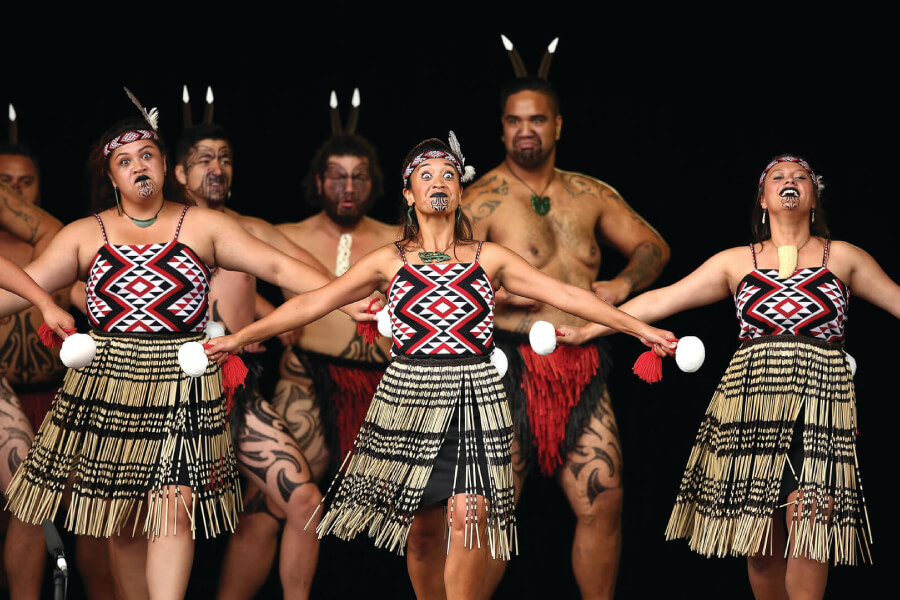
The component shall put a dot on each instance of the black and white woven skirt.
(389, 472)
(775, 388)
(122, 429)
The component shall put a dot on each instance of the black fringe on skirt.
(407, 422)
(731, 484)
(123, 428)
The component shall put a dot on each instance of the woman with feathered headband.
(438, 432)
(773, 471)
(145, 443)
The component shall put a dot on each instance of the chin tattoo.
(146, 188)
(439, 204)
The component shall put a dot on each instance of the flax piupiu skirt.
(122, 429)
(773, 387)
(451, 412)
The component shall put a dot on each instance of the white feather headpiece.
(151, 117)
(468, 171)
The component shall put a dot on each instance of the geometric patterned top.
(812, 302)
(151, 288)
(441, 308)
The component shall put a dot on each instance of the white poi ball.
(852, 362)
(77, 350)
(690, 353)
(542, 337)
(214, 329)
(383, 318)
(193, 359)
(499, 360)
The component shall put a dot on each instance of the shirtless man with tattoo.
(30, 374)
(267, 454)
(555, 219)
(344, 181)
(329, 375)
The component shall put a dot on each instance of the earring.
(458, 213)
(118, 205)
(409, 222)
(765, 210)
(812, 215)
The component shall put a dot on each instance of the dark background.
(680, 112)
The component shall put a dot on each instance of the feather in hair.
(151, 117)
(454, 146)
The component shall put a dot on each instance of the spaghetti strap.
(102, 228)
(478, 252)
(825, 253)
(402, 254)
(753, 252)
(180, 221)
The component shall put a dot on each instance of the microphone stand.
(60, 566)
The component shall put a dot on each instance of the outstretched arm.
(25, 220)
(362, 279)
(18, 282)
(521, 278)
(271, 235)
(54, 270)
(637, 240)
(236, 250)
(867, 279)
(706, 285)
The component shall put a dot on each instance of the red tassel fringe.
(553, 385)
(368, 330)
(648, 367)
(234, 372)
(50, 338)
(353, 391)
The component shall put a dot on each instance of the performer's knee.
(426, 534)
(598, 504)
(303, 501)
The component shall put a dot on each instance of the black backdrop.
(679, 114)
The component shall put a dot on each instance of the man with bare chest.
(560, 405)
(329, 375)
(268, 456)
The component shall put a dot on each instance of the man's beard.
(530, 157)
(215, 195)
(345, 218)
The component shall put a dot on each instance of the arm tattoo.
(644, 265)
(484, 210)
(577, 185)
(32, 223)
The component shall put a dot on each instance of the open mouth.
(141, 178)
(439, 201)
(790, 197)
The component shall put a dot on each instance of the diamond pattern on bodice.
(812, 302)
(147, 288)
(441, 309)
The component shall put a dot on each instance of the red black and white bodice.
(150, 288)
(812, 302)
(441, 309)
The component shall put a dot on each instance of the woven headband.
(793, 159)
(127, 138)
(418, 160)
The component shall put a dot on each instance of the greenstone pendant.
(540, 205)
(434, 257)
(144, 223)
